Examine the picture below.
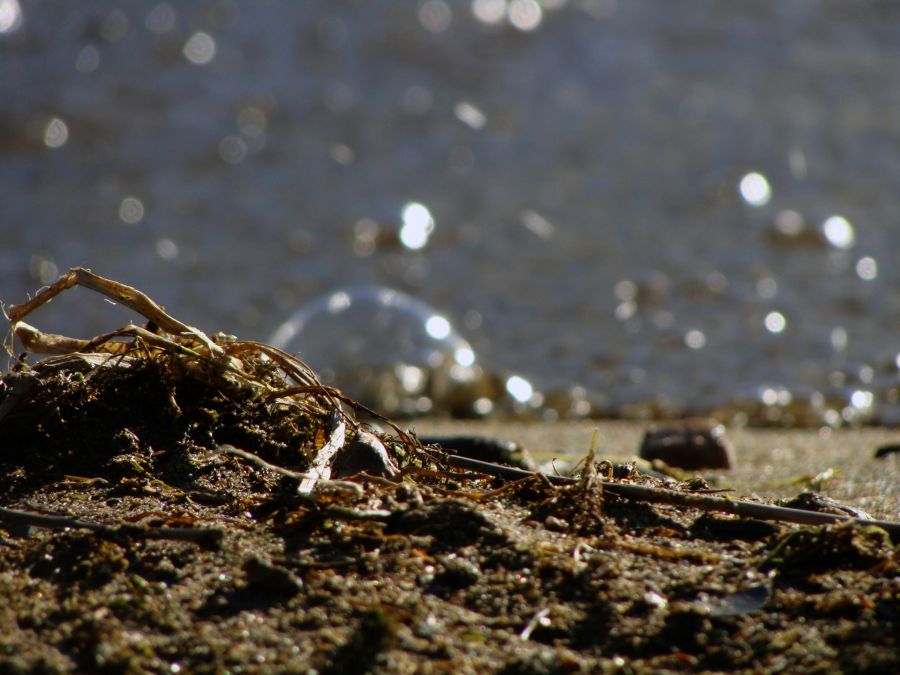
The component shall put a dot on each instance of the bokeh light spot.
(519, 388)
(695, 339)
(525, 15)
(435, 15)
(232, 149)
(775, 322)
(200, 48)
(160, 19)
(755, 190)
(469, 115)
(767, 288)
(56, 134)
(839, 232)
(838, 338)
(10, 16)
(867, 268)
(131, 210)
(88, 60)
(489, 11)
(417, 226)
(167, 249)
(437, 327)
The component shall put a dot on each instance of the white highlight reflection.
(519, 388)
(755, 189)
(775, 322)
(200, 48)
(417, 226)
(10, 16)
(839, 232)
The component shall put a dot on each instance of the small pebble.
(691, 444)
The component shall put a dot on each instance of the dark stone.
(692, 444)
(364, 454)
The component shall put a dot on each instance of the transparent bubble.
(383, 348)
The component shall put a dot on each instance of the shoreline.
(770, 463)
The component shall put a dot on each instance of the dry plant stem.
(125, 295)
(204, 536)
(296, 475)
(321, 468)
(261, 463)
(703, 502)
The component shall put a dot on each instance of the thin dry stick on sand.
(210, 537)
(662, 496)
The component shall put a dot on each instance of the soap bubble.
(385, 349)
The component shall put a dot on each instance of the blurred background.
(632, 209)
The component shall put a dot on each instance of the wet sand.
(771, 463)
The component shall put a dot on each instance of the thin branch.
(296, 475)
(703, 502)
(209, 537)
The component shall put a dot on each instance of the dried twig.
(296, 475)
(209, 537)
(663, 496)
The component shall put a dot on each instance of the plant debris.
(176, 501)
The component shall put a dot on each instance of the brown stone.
(689, 444)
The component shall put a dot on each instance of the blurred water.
(641, 208)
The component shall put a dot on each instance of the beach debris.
(209, 537)
(741, 602)
(657, 495)
(321, 467)
(855, 544)
(812, 501)
(366, 453)
(690, 444)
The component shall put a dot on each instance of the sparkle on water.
(755, 189)
(775, 322)
(10, 16)
(200, 48)
(417, 226)
(131, 210)
(839, 232)
(56, 134)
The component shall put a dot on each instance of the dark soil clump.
(534, 579)
(433, 570)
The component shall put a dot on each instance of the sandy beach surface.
(771, 463)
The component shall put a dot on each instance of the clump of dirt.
(431, 570)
